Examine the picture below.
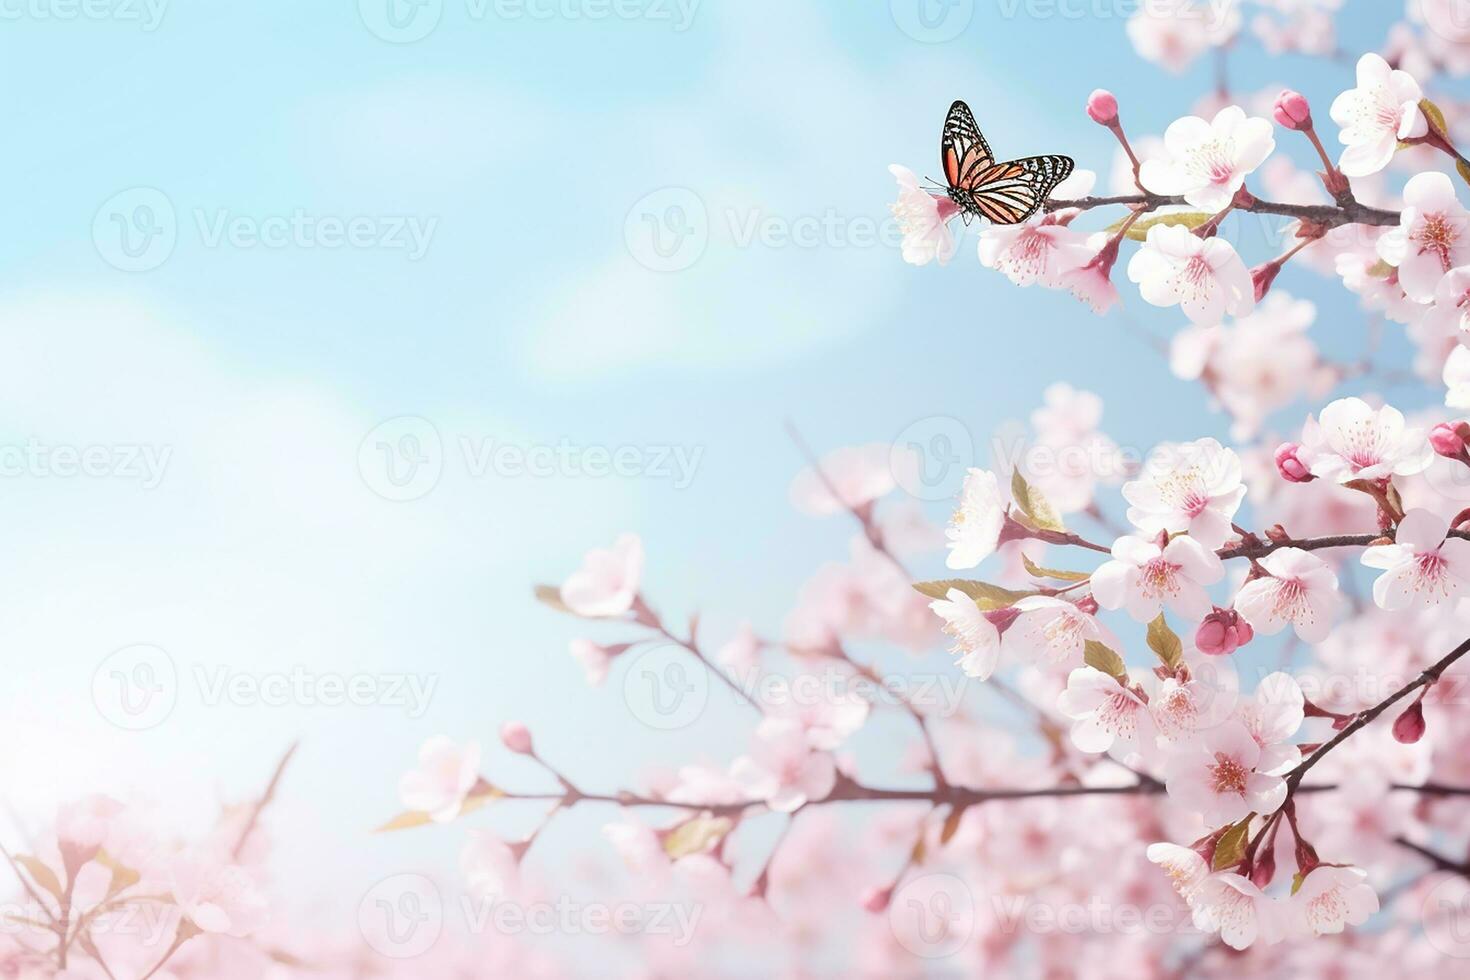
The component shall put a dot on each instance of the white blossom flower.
(1216, 776)
(1272, 717)
(1203, 276)
(1329, 899)
(1142, 578)
(607, 582)
(1172, 33)
(974, 530)
(219, 897)
(924, 220)
(1382, 110)
(1353, 441)
(977, 641)
(1052, 630)
(1186, 869)
(782, 770)
(1450, 315)
(1192, 488)
(1105, 712)
(1235, 908)
(1457, 378)
(489, 865)
(1432, 238)
(1208, 161)
(1033, 252)
(445, 775)
(1423, 567)
(1301, 590)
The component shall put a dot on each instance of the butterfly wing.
(962, 149)
(1009, 193)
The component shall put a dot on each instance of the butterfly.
(1004, 193)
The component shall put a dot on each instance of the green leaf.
(41, 875)
(482, 793)
(1463, 169)
(1034, 505)
(551, 595)
(1230, 850)
(1139, 230)
(697, 836)
(1036, 570)
(123, 877)
(1165, 642)
(1101, 657)
(986, 596)
(1435, 116)
(1296, 882)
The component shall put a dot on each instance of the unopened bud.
(1102, 107)
(1292, 110)
(1223, 632)
(1289, 464)
(516, 737)
(876, 899)
(1262, 276)
(1408, 727)
(1448, 440)
(1265, 867)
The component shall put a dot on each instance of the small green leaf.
(1139, 230)
(1435, 116)
(697, 836)
(1463, 169)
(1100, 656)
(1381, 269)
(986, 596)
(1296, 882)
(41, 874)
(1165, 642)
(1034, 505)
(1230, 850)
(1036, 570)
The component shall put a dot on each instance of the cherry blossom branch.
(1438, 860)
(1326, 216)
(263, 802)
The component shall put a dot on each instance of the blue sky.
(532, 149)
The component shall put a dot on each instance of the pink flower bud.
(516, 737)
(1289, 464)
(1265, 867)
(1292, 110)
(1102, 107)
(1223, 632)
(876, 899)
(1002, 619)
(1408, 727)
(1447, 441)
(1262, 276)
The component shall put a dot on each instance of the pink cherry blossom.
(594, 659)
(1216, 776)
(1423, 567)
(445, 775)
(489, 865)
(977, 641)
(1209, 161)
(1433, 236)
(974, 530)
(1092, 281)
(1300, 591)
(782, 770)
(858, 475)
(1105, 712)
(1053, 631)
(1329, 899)
(217, 897)
(1172, 33)
(1450, 314)
(923, 218)
(1035, 252)
(1142, 578)
(1382, 110)
(1203, 276)
(1235, 908)
(1192, 488)
(1186, 869)
(1273, 717)
(607, 582)
(1353, 441)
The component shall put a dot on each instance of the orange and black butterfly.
(1005, 193)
